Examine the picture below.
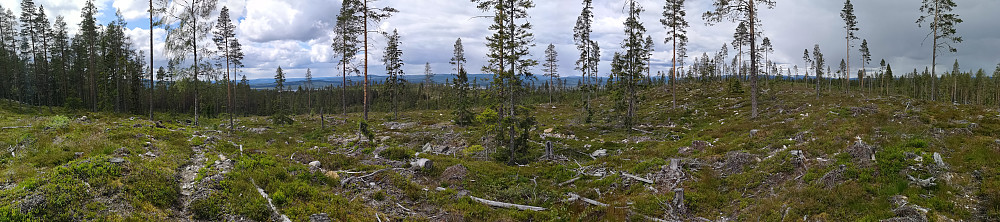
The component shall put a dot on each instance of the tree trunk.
(934, 54)
(753, 62)
(366, 61)
(152, 81)
(195, 46)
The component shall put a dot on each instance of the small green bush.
(57, 122)
(397, 153)
(473, 150)
(281, 119)
(209, 208)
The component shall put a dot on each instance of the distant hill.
(481, 79)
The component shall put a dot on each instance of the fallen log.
(574, 197)
(506, 205)
(644, 180)
(569, 181)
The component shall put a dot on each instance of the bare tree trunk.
(152, 82)
(934, 54)
(366, 61)
(753, 62)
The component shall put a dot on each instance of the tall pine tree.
(673, 20)
(943, 33)
(743, 11)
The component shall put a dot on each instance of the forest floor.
(834, 158)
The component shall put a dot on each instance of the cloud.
(296, 34)
(303, 20)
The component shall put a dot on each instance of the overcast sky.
(296, 34)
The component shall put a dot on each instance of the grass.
(67, 161)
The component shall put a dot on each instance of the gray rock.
(116, 160)
(753, 132)
(939, 161)
(257, 130)
(599, 153)
(322, 217)
(314, 164)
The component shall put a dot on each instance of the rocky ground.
(861, 157)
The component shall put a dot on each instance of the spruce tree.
(393, 60)
(508, 61)
(463, 116)
(551, 67)
(630, 64)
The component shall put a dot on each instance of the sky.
(296, 34)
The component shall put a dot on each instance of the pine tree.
(60, 59)
(186, 22)
(676, 26)
(630, 65)
(346, 42)
(509, 46)
(851, 25)
(818, 63)
(744, 11)
(551, 67)
(370, 15)
(767, 48)
(590, 53)
(955, 72)
(866, 57)
(309, 88)
(943, 33)
(740, 38)
(224, 32)
(89, 34)
(393, 60)
(428, 74)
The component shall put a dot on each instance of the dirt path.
(189, 173)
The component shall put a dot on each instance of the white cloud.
(269, 20)
(296, 34)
